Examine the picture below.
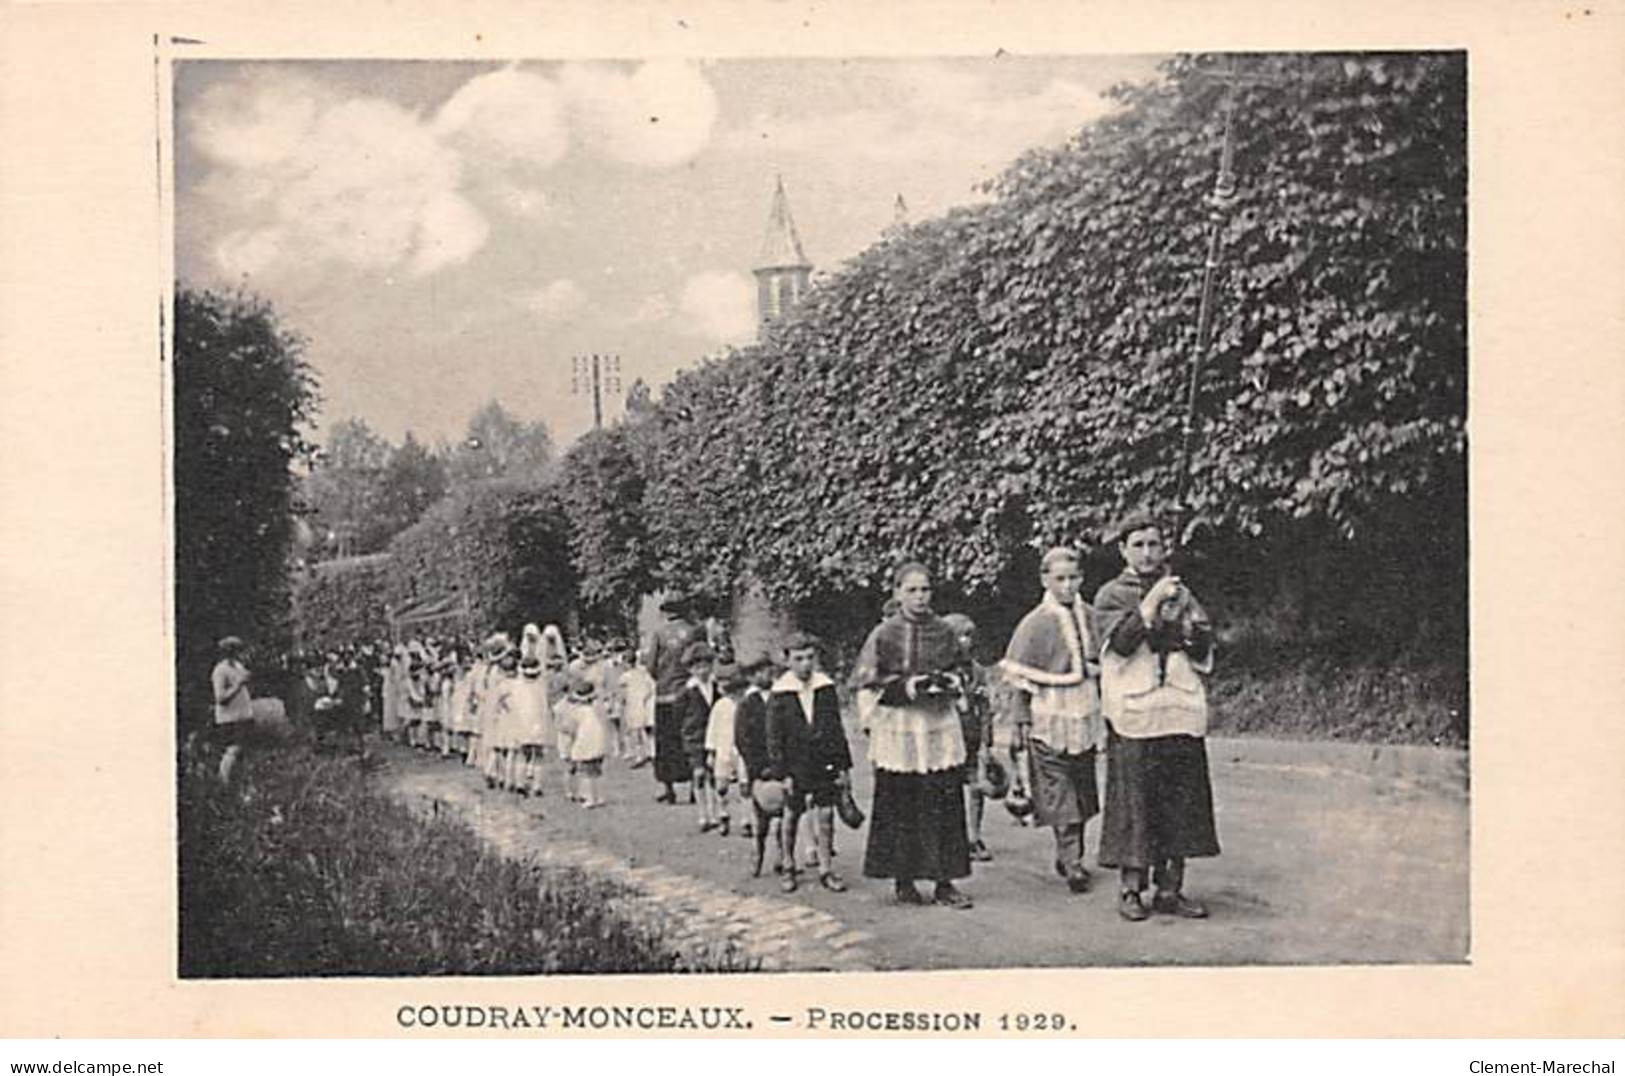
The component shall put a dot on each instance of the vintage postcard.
(757, 519)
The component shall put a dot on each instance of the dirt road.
(1324, 862)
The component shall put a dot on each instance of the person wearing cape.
(1156, 653)
(1052, 665)
(907, 694)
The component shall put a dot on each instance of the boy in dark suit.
(806, 744)
(750, 740)
(694, 710)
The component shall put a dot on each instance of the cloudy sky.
(448, 233)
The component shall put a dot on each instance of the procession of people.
(762, 744)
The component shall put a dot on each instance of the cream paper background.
(87, 847)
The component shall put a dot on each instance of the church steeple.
(782, 271)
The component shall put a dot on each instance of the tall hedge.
(1013, 374)
(601, 484)
(342, 601)
(504, 544)
(243, 396)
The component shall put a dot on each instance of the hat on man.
(730, 676)
(698, 651)
(582, 688)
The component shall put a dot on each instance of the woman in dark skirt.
(917, 745)
(1157, 652)
(664, 661)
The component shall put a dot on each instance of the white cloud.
(720, 306)
(364, 184)
(528, 202)
(558, 300)
(659, 116)
(653, 310)
(449, 232)
(249, 253)
(511, 115)
(302, 176)
(935, 121)
(258, 120)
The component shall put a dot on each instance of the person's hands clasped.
(1162, 590)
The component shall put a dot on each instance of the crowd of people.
(762, 739)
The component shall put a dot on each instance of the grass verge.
(301, 869)
(1311, 700)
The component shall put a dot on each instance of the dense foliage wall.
(503, 544)
(601, 485)
(1011, 375)
(339, 602)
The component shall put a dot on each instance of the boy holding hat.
(806, 745)
(694, 708)
(1052, 662)
(1156, 653)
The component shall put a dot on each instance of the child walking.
(721, 754)
(694, 710)
(499, 712)
(638, 712)
(750, 742)
(1155, 658)
(588, 739)
(533, 727)
(806, 744)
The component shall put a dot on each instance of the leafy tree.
(243, 396)
(499, 548)
(601, 486)
(498, 445)
(639, 400)
(413, 480)
(343, 490)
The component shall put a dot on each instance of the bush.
(243, 394)
(501, 546)
(306, 872)
(343, 601)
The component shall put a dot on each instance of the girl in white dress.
(638, 710)
(588, 739)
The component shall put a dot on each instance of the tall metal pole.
(1224, 189)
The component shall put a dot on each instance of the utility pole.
(596, 374)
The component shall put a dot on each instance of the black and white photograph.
(1054, 534)
(842, 514)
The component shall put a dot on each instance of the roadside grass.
(1320, 701)
(1275, 678)
(301, 869)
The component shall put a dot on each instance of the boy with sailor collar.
(806, 745)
